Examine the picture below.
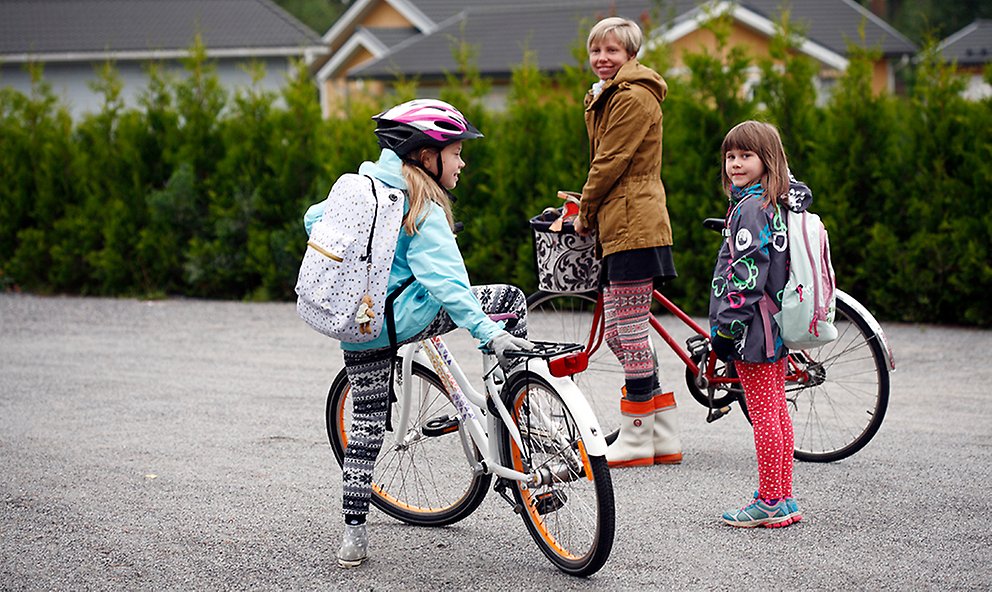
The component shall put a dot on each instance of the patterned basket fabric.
(566, 262)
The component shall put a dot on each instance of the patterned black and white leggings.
(368, 373)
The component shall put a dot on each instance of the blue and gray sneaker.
(760, 513)
(791, 504)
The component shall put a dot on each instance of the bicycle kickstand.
(500, 487)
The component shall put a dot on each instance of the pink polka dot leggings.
(764, 392)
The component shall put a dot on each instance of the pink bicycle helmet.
(422, 122)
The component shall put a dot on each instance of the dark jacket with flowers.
(623, 197)
(751, 271)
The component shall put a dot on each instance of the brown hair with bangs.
(762, 139)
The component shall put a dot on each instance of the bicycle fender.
(874, 325)
(571, 395)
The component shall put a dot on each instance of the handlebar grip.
(716, 224)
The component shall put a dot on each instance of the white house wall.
(70, 81)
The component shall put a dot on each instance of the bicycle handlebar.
(715, 224)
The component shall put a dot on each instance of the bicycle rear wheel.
(568, 318)
(839, 406)
(422, 480)
(571, 514)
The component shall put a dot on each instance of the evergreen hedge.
(200, 192)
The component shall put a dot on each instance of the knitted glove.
(723, 346)
(503, 342)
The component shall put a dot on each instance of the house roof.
(502, 31)
(971, 45)
(71, 30)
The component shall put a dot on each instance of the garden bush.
(199, 191)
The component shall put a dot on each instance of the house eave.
(348, 19)
(751, 19)
(164, 54)
(359, 39)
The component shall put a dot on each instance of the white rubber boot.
(665, 432)
(634, 447)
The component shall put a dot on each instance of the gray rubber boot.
(354, 546)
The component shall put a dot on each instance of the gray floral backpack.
(341, 287)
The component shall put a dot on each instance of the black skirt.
(639, 264)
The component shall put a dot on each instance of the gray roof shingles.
(971, 45)
(500, 32)
(42, 27)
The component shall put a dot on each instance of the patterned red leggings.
(764, 392)
(626, 306)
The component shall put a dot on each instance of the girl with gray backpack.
(421, 143)
(752, 270)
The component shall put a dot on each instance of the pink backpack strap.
(768, 308)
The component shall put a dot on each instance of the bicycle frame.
(471, 405)
(596, 335)
(708, 378)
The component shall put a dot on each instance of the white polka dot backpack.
(341, 287)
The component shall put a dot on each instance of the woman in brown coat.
(623, 201)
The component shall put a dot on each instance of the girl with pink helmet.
(421, 143)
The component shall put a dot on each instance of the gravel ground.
(180, 444)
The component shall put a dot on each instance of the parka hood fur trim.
(629, 74)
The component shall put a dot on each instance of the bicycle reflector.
(569, 365)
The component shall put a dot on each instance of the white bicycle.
(533, 430)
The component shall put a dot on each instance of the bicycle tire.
(426, 482)
(849, 381)
(571, 516)
(567, 318)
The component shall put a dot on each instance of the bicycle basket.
(566, 262)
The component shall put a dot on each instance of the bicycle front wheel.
(568, 318)
(840, 402)
(570, 514)
(422, 477)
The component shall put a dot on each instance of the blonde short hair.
(625, 30)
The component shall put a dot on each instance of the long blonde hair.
(762, 139)
(422, 189)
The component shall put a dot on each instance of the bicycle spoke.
(564, 513)
(418, 478)
(840, 407)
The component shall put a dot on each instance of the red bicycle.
(837, 394)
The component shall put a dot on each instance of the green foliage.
(319, 15)
(197, 191)
(699, 110)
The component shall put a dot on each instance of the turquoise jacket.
(431, 255)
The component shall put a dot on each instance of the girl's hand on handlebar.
(503, 342)
(722, 346)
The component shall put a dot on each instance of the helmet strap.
(435, 177)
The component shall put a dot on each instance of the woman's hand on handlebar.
(580, 228)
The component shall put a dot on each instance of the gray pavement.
(180, 444)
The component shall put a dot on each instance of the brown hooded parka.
(623, 198)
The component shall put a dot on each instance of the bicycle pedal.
(716, 414)
(551, 501)
(698, 346)
(440, 426)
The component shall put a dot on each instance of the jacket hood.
(800, 197)
(634, 73)
(388, 169)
